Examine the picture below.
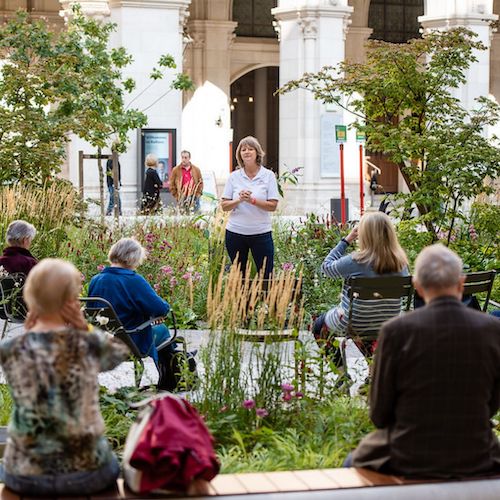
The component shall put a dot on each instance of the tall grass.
(51, 208)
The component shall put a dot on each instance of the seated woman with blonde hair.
(379, 254)
(56, 444)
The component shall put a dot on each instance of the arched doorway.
(255, 111)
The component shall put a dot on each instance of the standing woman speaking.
(250, 194)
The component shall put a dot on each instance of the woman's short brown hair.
(253, 143)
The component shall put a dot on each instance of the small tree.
(402, 98)
(37, 85)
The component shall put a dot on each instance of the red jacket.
(17, 260)
(174, 448)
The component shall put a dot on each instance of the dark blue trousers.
(261, 246)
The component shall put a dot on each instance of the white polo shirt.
(246, 218)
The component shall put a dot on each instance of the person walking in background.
(152, 184)
(56, 444)
(379, 254)
(250, 194)
(186, 184)
(436, 383)
(111, 187)
(16, 256)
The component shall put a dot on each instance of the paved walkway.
(123, 375)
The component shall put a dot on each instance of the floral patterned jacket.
(56, 426)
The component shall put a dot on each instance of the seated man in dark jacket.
(16, 257)
(436, 382)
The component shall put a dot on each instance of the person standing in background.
(152, 184)
(111, 187)
(250, 194)
(186, 184)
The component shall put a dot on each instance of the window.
(395, 20)
(254, 18)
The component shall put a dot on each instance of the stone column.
(475, 16)
(312, 35)
(98, 9)
(206, 120)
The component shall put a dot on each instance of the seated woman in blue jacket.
(132, 297)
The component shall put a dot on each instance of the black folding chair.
(480, 282)
(12, 307)
(363, 292)
(101, 313)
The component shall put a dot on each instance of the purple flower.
(248, 404)
(156, 286)
(287, 396)
(287, 266)
(287, 387)
(197, 276)
(173, 281)
(472, 233)
(100, 267)
(299, 395)
(186, 276)
(166, 270)
(149, 237)
(83, 277)
(261, 412)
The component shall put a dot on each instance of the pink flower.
(472, 233)
(173, 281)
(287, 396)
(287, 387)
(156, 286)
(83, 277)
(223, 409)
(186, 276)
(100, 267)
(197, 276)
(248, 404)
(166, 270)
(149, 237)
(299, 395)
(287, 266)
(261, 412)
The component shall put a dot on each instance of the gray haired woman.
(16, 256)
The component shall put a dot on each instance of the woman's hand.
(31, 319)
(73, 315)
(352, 236)
(245, 195)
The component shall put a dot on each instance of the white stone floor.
(123, 375)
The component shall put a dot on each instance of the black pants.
(261, 246)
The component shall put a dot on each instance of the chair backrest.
(397, 289)
(99, 312)
(480, 282)
(12, 305)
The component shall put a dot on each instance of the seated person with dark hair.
(436, 382)
(16, 257)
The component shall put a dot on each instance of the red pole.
(342, 187)
(361, 182)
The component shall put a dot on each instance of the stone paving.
(123, 375)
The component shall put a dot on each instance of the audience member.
(132, 297)
(56, 444)
(16, 257)
(379, 254)
(436, 382)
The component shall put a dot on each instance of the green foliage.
(304, 245)
(402, 98)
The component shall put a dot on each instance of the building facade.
(238, 52)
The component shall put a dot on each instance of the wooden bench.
(347, 484)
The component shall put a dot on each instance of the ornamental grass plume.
(233, 302)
